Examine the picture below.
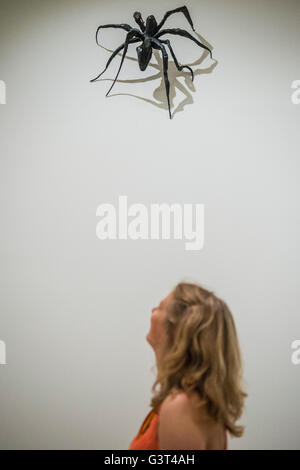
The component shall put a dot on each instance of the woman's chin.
(148, 339)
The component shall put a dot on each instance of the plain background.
(75, 310)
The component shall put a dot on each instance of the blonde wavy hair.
(202, 354)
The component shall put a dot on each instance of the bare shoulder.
(184, 400)
(180, 416)
(177, 428)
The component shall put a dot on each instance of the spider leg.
(179, 67)
(132, 41)
(127, 28)
(183, 10)
(165, 65)
(185, 34)
(139, 20)
(130, 34)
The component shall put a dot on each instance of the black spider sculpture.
(149, 34)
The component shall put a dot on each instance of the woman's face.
(156, 336)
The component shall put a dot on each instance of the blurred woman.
(199, 371)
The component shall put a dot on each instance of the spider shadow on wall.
(159, 94)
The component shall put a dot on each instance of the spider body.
(150, 34)
(144, 53)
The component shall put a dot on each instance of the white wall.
(75, 310)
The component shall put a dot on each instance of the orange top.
(146, 438)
